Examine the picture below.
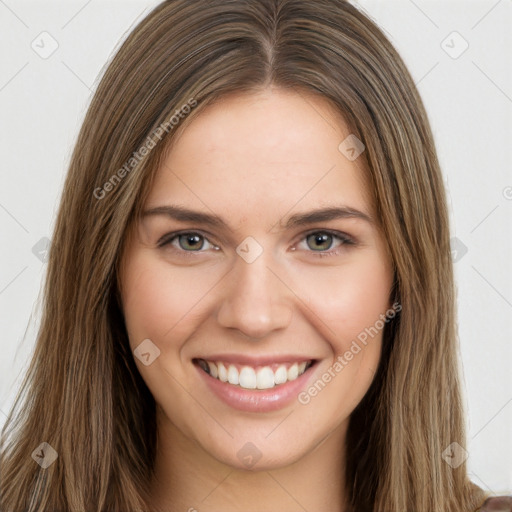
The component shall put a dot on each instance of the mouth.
(255, 384)
(261, 377)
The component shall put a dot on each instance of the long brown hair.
(83, 394)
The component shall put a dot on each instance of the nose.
(256, 301)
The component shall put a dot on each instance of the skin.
(255, 160)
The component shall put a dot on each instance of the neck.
(188, 479)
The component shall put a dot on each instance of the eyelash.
(345, 240)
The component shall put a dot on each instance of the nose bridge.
(255, 301)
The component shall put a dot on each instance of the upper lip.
(244, 359)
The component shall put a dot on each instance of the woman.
(249, 302)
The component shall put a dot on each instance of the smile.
(249, 377)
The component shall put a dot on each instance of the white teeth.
(281, 375)
(293, 371)
(232, 375)
(213, 369)
(265, 378)
(249, 378)
(223, 373)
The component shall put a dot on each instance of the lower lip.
(252, 400)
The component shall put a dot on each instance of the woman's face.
(259, 260)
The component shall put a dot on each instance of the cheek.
(349, 310)
(160, 302)
(165, 305)
(354, 306)
(348, 299)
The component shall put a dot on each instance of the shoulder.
(497, 504)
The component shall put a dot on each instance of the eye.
(187, 242)
(322, 241)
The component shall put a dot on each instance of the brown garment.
(497, 504)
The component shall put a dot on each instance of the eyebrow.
(182, 214)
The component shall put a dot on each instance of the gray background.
(467, 93)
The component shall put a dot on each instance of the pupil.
(322, 239)
(192, 241)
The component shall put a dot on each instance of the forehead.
(267, 151)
